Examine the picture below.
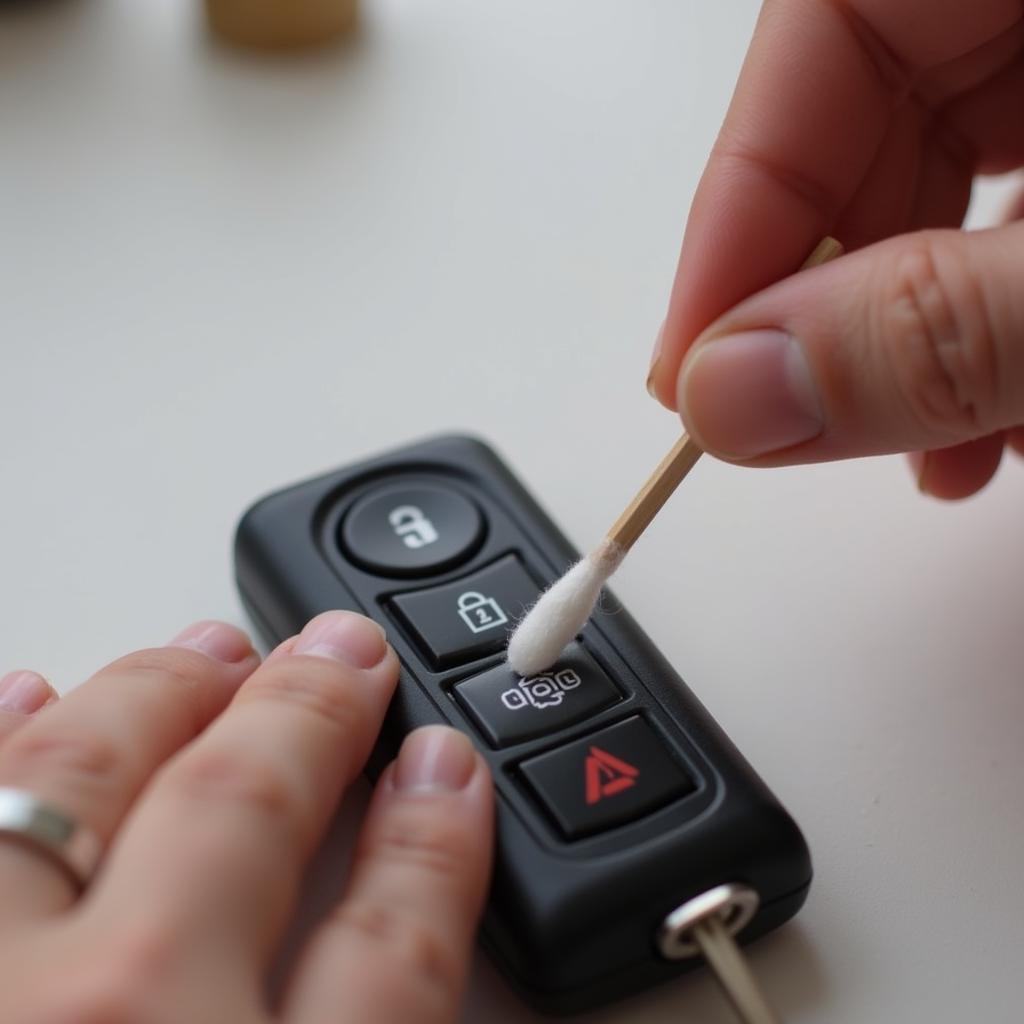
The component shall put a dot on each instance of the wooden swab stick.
(662, 482)
(673, 468)
(562, 610)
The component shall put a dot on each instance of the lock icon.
(479, 612)
(414, 528)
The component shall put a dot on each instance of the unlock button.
(411, 528)
(470, 618)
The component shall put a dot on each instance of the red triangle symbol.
(607, 775)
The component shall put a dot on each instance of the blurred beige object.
(281, 23)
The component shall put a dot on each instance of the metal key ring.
(734, 904)
(705, 925)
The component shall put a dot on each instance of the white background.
(221, 274)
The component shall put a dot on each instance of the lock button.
(480, 613)
(411, 529)
(472, 617)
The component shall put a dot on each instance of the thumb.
(914, 343)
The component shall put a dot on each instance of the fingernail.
(434, 758)
(655, 357)
(747, 394)
(919, 467)
(216, 640)
(24, 692)
(343, 636)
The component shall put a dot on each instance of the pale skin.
(866, 120)
(212, 777)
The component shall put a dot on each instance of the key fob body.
(618, 797)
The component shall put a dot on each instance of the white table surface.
(220, 274)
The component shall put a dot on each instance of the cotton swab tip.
(561, 611)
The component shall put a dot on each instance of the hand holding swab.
(563, 608)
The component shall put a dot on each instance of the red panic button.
(607, 775)
(607, 779)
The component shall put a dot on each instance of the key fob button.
(606, 779)
(472, 617)
(509, 709)
(411, 529)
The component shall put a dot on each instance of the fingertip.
(918, 463)
(750, 394)
(218, 640)
(435, 758)
(1015, 208)
(955, 473)
(439, 770)
(344, 636)
(283, 649)
(661, 387)
(660, 383)
(24, 692)
(1015, 439)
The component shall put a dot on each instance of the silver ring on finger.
(46, 830)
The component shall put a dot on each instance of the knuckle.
(430, 844)
(939, 340)
(323, 691)
(243, 780)
(181, 673)
(71, 760)
(739, 157)
(415, 950)
(187, 667)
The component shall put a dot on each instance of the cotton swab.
(563, 609)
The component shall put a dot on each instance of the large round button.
(411, 529)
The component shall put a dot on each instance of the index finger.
(814, 99)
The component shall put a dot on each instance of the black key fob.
(619, 798)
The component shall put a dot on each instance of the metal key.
(706, 925)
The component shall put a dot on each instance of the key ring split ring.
(734, 905)
(43, 828)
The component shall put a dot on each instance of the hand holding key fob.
(622, 807)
